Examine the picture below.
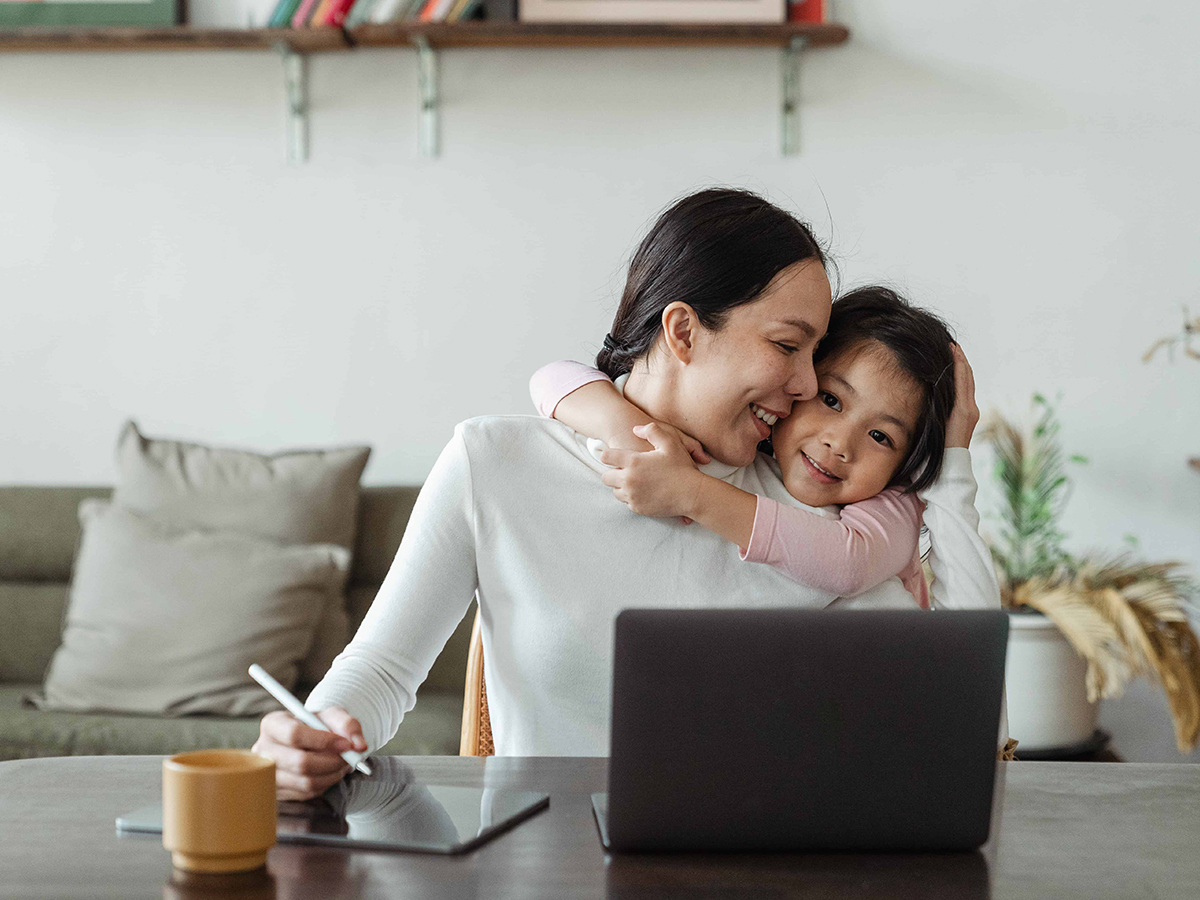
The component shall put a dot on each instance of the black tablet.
(387, 810)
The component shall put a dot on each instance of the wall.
(1027, 168)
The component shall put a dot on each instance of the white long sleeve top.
(514, 512)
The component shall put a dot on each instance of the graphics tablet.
(388, 810)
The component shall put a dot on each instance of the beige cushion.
(166, 620)
(293, 497)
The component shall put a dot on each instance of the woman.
(515, 510)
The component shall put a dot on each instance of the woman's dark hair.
(713, 250)
(919, 342)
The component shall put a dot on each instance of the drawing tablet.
(388, 810)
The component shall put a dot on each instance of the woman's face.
(760, 361)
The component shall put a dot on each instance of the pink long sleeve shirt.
(868, 543)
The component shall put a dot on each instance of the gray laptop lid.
(804, 729)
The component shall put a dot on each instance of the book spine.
(303, 12)
(468, 10)
(287, 10)
(320, 14)
(360, 12)
(338, 11)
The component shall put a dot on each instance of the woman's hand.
(308, 762)
(965, 415)
(660, 482)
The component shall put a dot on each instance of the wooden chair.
(476, 725)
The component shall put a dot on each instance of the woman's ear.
(680, 328)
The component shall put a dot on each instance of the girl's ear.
(680, 326)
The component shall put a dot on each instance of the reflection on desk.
(863, 876)
(392, 810)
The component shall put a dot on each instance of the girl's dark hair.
(919, 343)
(713, 250)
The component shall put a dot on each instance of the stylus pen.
(296, 708)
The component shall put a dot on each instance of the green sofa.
(39, 531)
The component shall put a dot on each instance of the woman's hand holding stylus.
(307, 761)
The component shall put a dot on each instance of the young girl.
(873, 436)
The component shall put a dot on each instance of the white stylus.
(296, 708)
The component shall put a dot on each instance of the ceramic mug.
(218, 810)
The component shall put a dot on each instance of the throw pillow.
(165, 620)
(292, 497)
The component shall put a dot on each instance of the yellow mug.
(218, 810)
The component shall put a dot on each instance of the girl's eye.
(829, 400)
(880, 437)
(788, 349)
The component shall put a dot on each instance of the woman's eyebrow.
(806, 327)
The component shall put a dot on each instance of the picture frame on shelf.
(93, 13)
(647, 11)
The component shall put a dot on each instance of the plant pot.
(1047, 687)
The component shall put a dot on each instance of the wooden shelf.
(517, 34)
(295, 45)
(438, 36)
(306, 40)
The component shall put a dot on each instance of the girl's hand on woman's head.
(965, 415)
(657, 483)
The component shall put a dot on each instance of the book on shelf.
(338, 12)
(808, 11)
(659, 11)
(360, 13)
(303, 13)
(320, 14)
(352, 13)
(281, 17)
(98, 13)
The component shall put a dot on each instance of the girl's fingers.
(696, 450)
(616, 458)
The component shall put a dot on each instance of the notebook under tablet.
(803, 730)
(388, 810)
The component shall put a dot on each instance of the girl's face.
(760, 359)
(846, 443)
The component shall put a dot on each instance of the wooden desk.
(1068, 830)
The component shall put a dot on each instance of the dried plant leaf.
(1127, 619)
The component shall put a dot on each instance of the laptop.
(769, 729)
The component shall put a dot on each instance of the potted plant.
(1081, 627)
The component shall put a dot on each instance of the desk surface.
(1067, 830)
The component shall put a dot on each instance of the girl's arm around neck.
(554, 381)
(723, 509)
(873, 540)
(584, 399)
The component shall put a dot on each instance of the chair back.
(476, 725)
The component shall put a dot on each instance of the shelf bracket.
(295, 77)
(427, 72)
(789, 123)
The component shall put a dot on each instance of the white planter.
(1047, 688)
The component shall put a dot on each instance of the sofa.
(39, 534)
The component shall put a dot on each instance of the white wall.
(1027, 168)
